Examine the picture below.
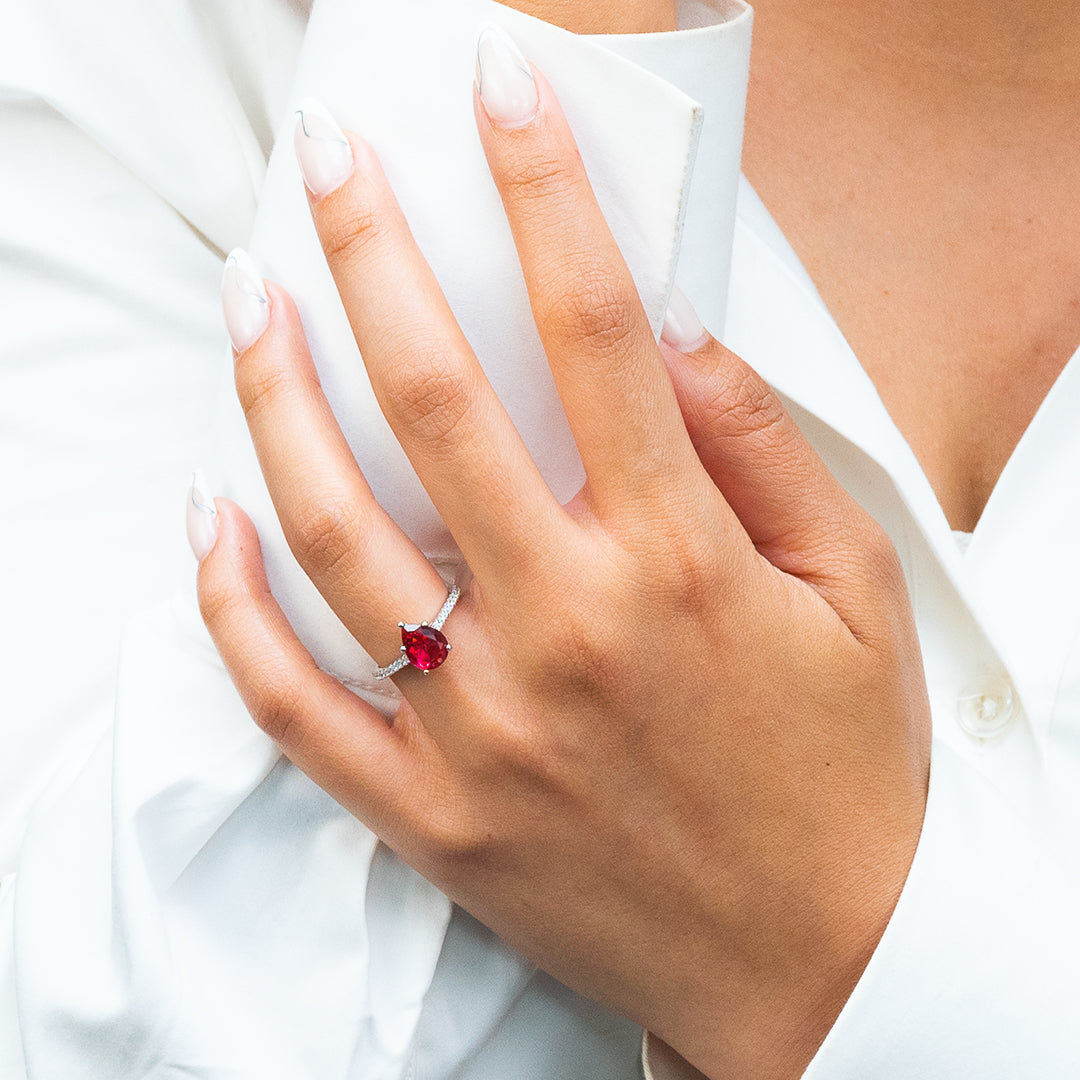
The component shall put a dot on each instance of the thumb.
(795, 512)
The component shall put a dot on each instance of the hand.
(679, 753)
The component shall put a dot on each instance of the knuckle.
(538, 176)
(690, 576)
(274, 704)
(583, 652)
(347, 235)
(276, 709)
(218, 599)
(430, 395)
(743, 404)
(259, 385)
(879, 554)
(596, 313)
(325, 532)
(453, 838)
(516, 749)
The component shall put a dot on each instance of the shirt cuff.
(976, 974)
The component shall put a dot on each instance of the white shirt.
(180, 902)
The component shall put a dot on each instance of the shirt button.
(987, 707)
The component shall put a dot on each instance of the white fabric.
(181, 903)
(963, 540)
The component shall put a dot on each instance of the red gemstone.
(425, 647)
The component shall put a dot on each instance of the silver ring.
(423, 645)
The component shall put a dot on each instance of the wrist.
(757, 1021)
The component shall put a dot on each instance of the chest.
(950, 263)
(963, 327)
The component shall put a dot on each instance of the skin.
(603, 16)
(726, 882)
(936, 148)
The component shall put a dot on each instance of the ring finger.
(369, 572)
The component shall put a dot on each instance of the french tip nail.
(504, 79)
(202, 517)
(243, 300)
(682, 329)
(322, 150)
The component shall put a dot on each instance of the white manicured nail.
(244, 300)
(504, 79)
(683, 330)
(322, 150)
(202, 521)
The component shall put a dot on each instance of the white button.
(987, 707)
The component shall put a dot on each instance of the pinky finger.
(339, 740)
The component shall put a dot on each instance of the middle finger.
(594, 329)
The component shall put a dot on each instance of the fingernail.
(504, 79)
(683, 330)
(202, 519)
(244, 300)
(322, 150)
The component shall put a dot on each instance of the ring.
(423, 645)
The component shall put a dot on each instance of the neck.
(603, 16)
(979, 43)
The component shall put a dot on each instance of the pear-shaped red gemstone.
(425, 647)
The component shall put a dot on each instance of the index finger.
(594, 329)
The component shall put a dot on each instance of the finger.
(586, 306)
(443, 410)
(794, 510)
(369, 572)
(375, 769)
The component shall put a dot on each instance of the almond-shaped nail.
(244, 300)
(324, 154)
(202, 518)
(683, 330)
(504, 79)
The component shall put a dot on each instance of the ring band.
(423, 645)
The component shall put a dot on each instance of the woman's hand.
(678, 755)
